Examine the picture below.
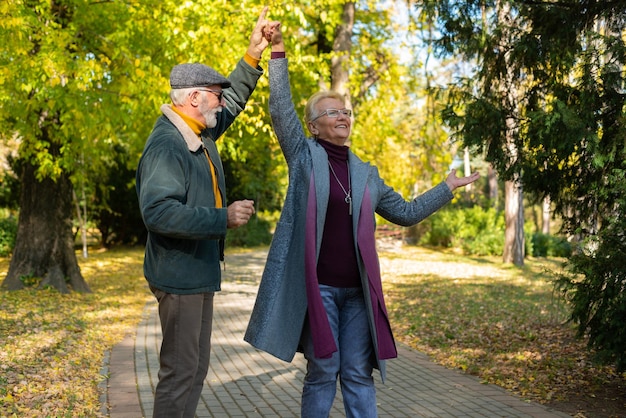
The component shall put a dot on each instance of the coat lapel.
(358, 181)
(322, 187)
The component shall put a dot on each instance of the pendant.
(348, 200)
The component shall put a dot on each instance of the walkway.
(243, 382)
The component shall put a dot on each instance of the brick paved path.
(243, 382)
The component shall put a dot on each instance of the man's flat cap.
(196, 75)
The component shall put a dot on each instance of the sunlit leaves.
(99, 74)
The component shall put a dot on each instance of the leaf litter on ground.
(52, 345)
(502, 323)
(474, 314)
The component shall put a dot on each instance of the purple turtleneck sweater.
(337, 265)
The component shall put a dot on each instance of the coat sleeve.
(163, 192)
(394, 208)
(285, 121)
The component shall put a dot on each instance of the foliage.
(566, 61)
(115, 207)
(71, 73)
(82, 83)
(109, 196)
(8, 231)
(53, 343)
(473, 230)
(476, 230)
(70, 90)
(255, 233)
(94, 84)
(546, 245)
(595, 286)
(498, 322)
(10, 185)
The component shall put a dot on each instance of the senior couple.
(320, 292)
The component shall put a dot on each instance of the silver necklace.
(348, 198)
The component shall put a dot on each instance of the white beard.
(211, 118)
(209, 114)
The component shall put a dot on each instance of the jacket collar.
(190, 137)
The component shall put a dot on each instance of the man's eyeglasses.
(219, 94)
(334, 113)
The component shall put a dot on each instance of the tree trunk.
(520, 237)
(44, 245)
(493, 185)
(514, 221)
(545, 218)
(342, 47)
(509, 89)
(468, 170)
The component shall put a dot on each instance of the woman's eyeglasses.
(334, 113)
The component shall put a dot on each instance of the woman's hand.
(274, 36)
(453, 181)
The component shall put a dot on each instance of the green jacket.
(176, 199)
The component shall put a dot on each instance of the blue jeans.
(352, 363)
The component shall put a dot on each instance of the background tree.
(83, 80)
(50, 104)
(486, 105)
(570, 56)
(82, 83)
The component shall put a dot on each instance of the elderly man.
(181, 190)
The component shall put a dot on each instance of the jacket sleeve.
(243, 80)
(164, 196)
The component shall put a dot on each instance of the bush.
(8, 232)
(475, 230)
(545, 245)
(595, 284)
(254, 233)
(115, 207)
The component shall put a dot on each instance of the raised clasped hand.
(262, 34)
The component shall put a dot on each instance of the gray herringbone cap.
(196, 75)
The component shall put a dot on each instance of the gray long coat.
(281, 306)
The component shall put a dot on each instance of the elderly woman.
(321, 290)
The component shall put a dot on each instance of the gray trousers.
(186, 323)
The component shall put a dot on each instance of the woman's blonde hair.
(310, 110)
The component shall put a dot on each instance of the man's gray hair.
(179, 96)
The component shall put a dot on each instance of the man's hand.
(239, 213)
(258, 40)
(453, 181)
